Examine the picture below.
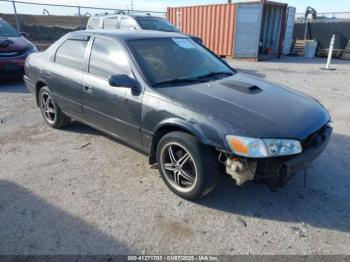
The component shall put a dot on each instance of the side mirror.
(123, 81)
(24, 34)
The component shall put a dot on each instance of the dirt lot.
(76, 191)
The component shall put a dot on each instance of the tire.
(50, 110)
(191, 172)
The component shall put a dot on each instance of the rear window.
(158, 24)
(111, 23)
(71, 54)
(127, 23)
(7, 30)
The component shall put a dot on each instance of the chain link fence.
(324, 17)
(45, 23)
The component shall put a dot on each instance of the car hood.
(16, 43)
(252, 107)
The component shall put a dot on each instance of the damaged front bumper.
(276, 171)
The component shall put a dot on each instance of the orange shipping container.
(250, 30)
(213, 23)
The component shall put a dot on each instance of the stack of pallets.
(299, 48)
(337, 53)
(346, 53)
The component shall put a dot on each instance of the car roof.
(145, 16)
(127, 34)
(131, 15)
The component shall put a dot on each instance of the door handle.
(88, 89)
(48, 74)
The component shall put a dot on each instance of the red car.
(14, 49)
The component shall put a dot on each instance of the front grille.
(13, 53)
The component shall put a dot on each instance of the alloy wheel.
(178, 167)
(48, 108)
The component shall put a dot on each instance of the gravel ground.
(76, 191)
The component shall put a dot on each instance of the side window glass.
(108, 58)
(111, 23)
(71, 54)
(127, 23)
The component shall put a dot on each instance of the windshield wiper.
(177, 81)
(196, 79)
(213, 74)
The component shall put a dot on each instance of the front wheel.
(187, 167)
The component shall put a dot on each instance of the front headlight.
(258, 148)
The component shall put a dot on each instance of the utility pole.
(132, 5)
(79, 13)
(80, 20)
(16, 17)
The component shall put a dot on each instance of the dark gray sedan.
(173, 99)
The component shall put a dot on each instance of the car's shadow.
(77, 127)
(31, 225)
(13, 86)
(324, 202)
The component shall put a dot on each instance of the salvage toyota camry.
(166, 95)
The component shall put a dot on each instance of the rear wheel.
(50, 110)
(187, 167)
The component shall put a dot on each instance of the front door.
(116, 110)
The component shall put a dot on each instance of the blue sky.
(160, 5)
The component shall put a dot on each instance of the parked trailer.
(252, 30)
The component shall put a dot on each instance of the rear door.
(116, 110)
(247, 30)
(64, 75)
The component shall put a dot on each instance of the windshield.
(176, 61)
(157, 24)
(7, 30)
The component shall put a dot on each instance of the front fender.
(190, 126)
(177, 124)
(161, 116)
